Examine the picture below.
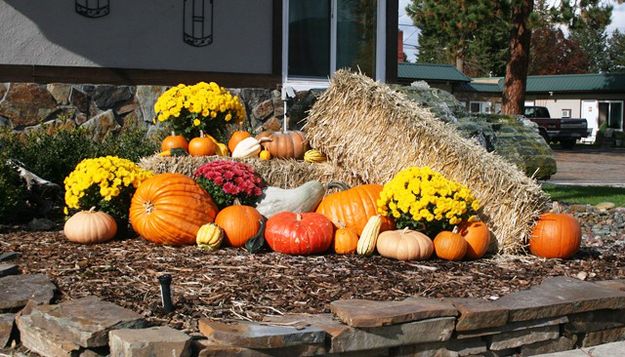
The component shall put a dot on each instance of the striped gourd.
(209, 237)
(314, 156)
(369, 236)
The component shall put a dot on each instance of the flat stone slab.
(8, 269)
(512, 327)
(604, 336)
(478, 314)
(254, 335)
(595, 321)
(208, 348)
(85, 322)
(617, 284)
(524, 337)
(161, 341)
(42, 342)
(606, 350)
(344, 338)
(6, 256)
(16, 290)
(6, 328)
(368, 313)
(560, 296)
(559, 344)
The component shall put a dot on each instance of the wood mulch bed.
(233, 284)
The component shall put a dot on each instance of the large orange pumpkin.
(288, 144)
(450, 246)
(556, 235)
(354, 207)
(170, 209)
(174, 141)
(236, 137)
(477, 236)
(299, 233)
(239, 223)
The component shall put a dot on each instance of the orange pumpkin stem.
(298, 217)
(201, 133)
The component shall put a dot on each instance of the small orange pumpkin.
(239, 223)
(202, 146)
(236, 137)
(174, 141)
(89, 227)
(450, 246)
(477, 236)
(345, 240)
(556, 235)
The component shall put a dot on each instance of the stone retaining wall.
(560, 314)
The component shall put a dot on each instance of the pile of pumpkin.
(266, 145)
(173, 209)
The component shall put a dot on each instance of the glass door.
(309, 38)
(611, 113)
(356, 35)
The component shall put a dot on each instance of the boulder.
(145, 97)
(107, 96)
(60, 92)
(17, 290)
(17, 104)
(154, 341)
(101, 125)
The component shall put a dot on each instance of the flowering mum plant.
(203, 106)
(106, 183)
(422, 199)
(226, 181)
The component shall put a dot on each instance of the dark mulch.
(232, 284)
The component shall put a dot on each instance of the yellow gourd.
(369, 236)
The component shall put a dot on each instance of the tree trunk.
(516, 69)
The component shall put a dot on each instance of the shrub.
(12, 193)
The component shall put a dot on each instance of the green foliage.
(616, 52)
(590, 195)
(12, 193)
(132, 144)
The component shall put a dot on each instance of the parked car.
(566, 131)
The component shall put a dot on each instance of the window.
(480, 107)
(566, 113)
(611, 114)
(318, 43)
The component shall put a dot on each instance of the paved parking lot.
(590, 166)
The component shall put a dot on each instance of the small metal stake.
(165, 281)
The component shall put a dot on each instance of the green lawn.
(585, 194)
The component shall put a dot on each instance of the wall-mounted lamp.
(197, 22)
(93, 8)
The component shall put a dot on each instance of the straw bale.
(276, 172)
(374, 132)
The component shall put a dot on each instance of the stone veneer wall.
(560, 314)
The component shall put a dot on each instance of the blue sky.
(411, 33)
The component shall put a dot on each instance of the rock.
(513, 327)
(41, 341)
(60, 92)
(5, 123)
(126, 108)
(344, 338)
(107, 96)
(605, 205)
(81, 118)
(41, 224)
(549, 346)
(17, 104)
(16, 290)
(101, 125)
(478, 314)
(207, 348)
(560, 296)
(263, 110)
(80, 100)
(8, 269)
(253, 335)
(145, 97)
(594, 321)
(523, 337)
(606, 350)
(155, 341)
(6, 329)
(85, 322)
(454, 348)
(367, 313)
(6, 256)
(617, 284)
(273, 124)
(604, 336)
(3, 89)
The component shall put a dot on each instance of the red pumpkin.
(299, 233)
(174, 142)
(202, 146)
(354, 207)
(477, 236)
(556, 235)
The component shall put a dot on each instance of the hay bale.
(367, 128)
(276, 172)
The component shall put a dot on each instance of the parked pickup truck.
(564, 130)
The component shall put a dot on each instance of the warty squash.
(300, 199)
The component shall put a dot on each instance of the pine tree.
(616, 52)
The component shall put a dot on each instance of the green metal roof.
(480, 87)
(593, 82)
(427, 71)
